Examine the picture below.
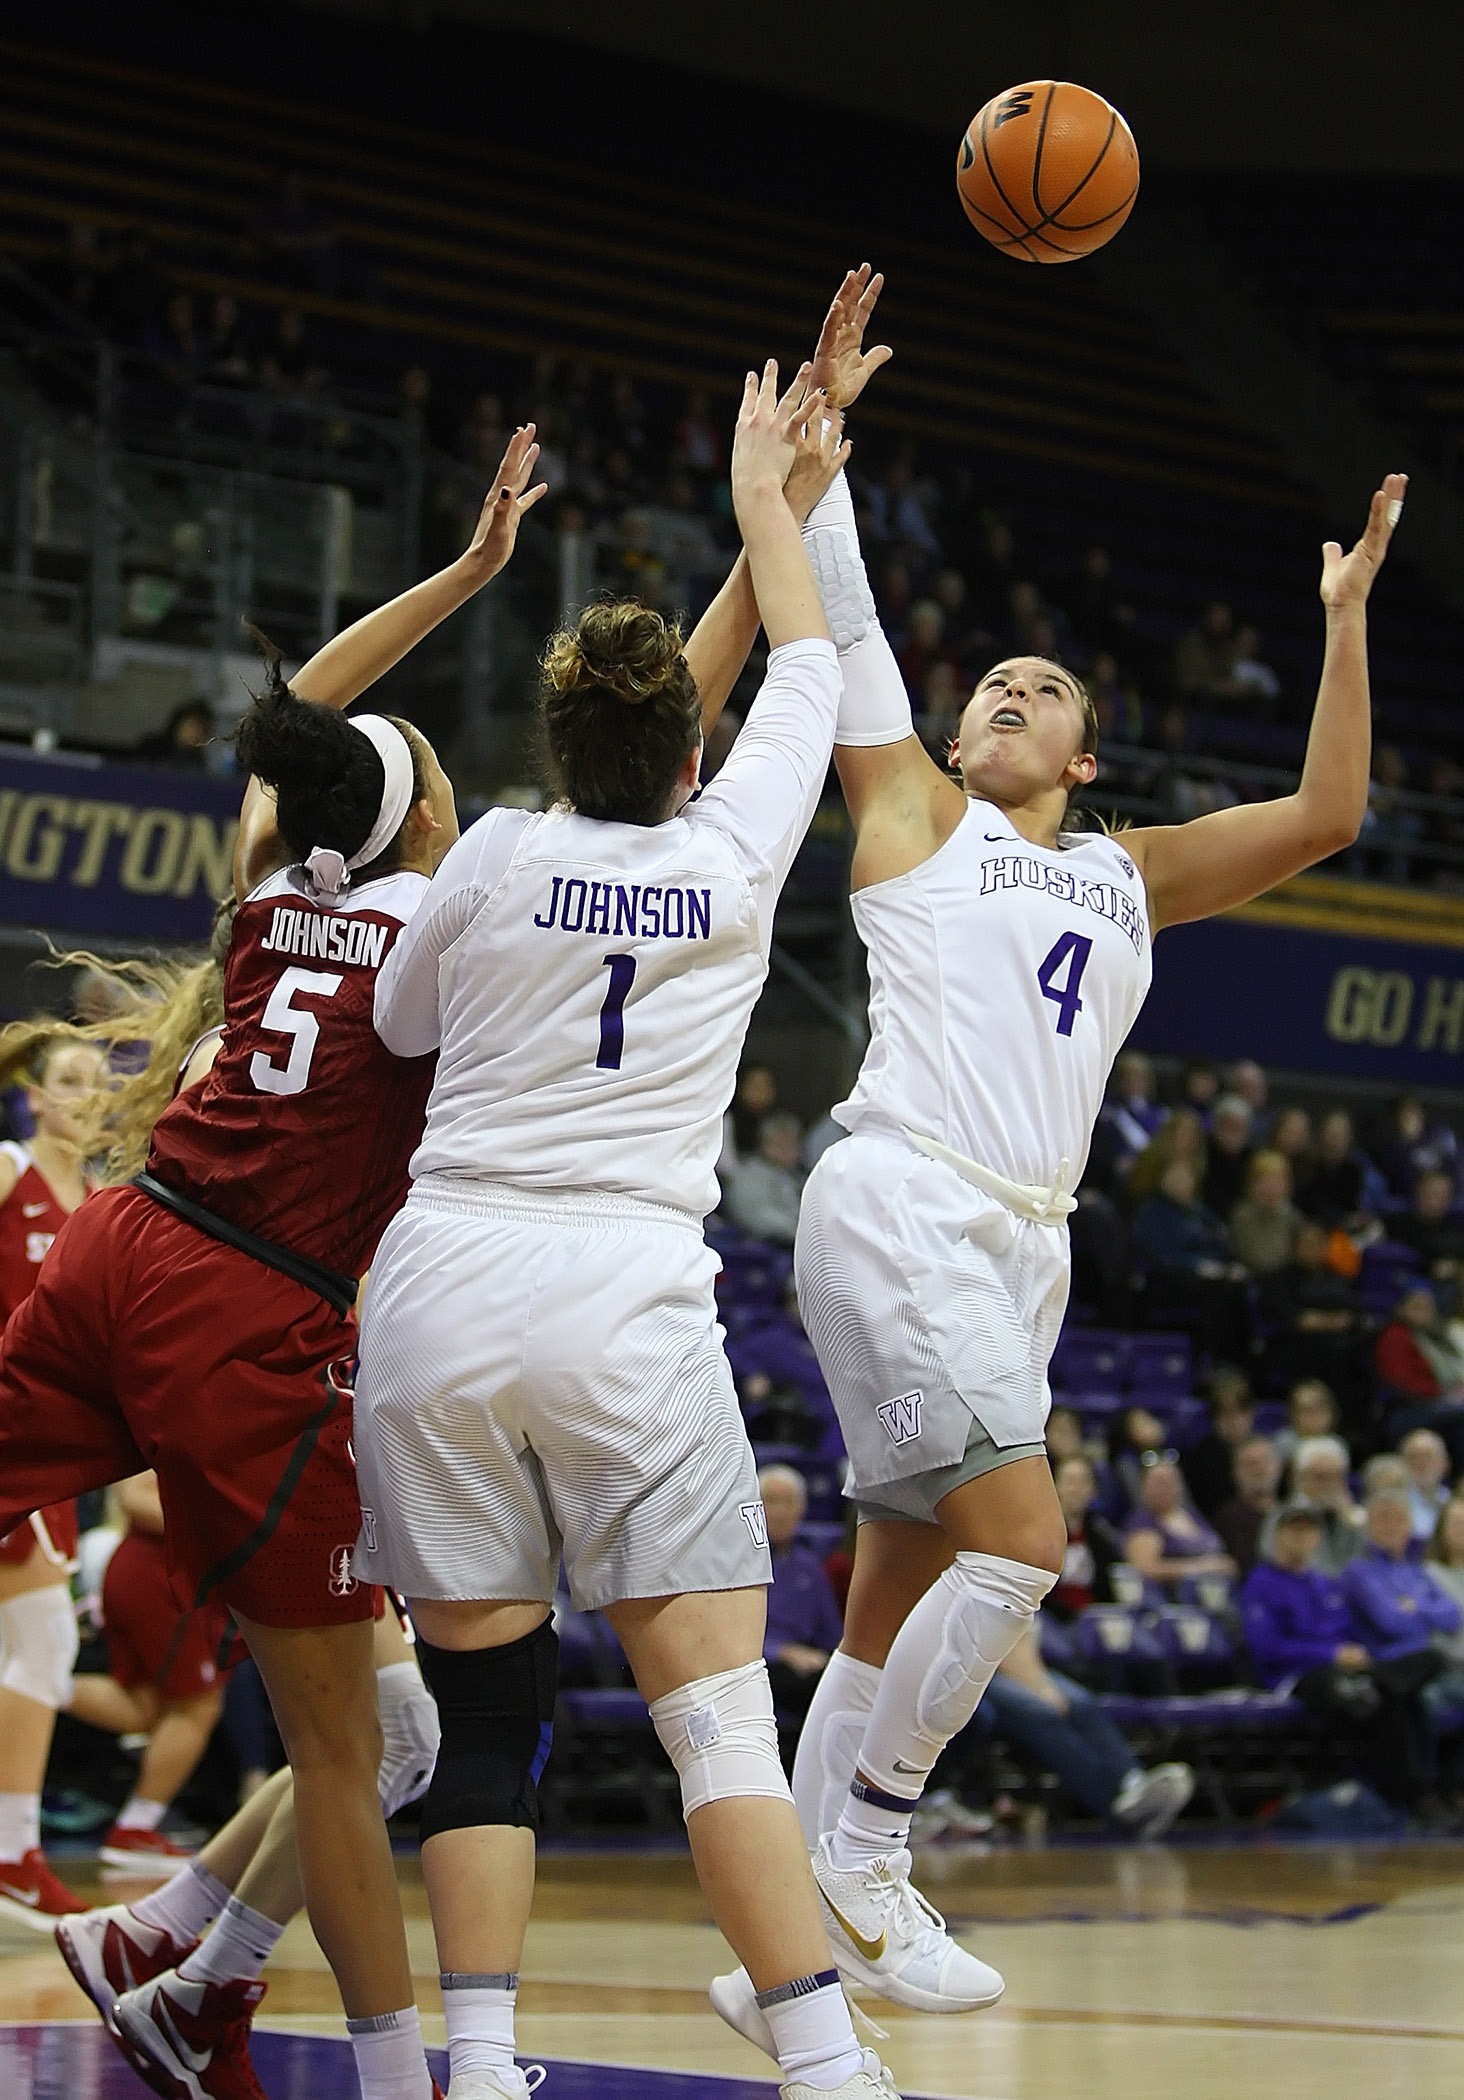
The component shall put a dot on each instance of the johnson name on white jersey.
(589, 984)
(1004, 978)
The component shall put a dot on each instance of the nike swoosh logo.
(995, 838)
(167, 2026)
(872, 1950)
(32, 1210)
(29, 1897)
(915, 1771)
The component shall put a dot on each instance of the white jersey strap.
(1028, 1199)
(19, 1155)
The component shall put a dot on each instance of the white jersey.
(1004, 978)
(589, 984)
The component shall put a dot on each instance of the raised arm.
(724, 635)
(351, 661)
(1235, 854)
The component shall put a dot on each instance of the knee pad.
(720, 1734)
(496, 1710)
(38, 1644)
(989, 1604)
(411, 1733)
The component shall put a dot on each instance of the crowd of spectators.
(637, 479)
(1312, 1502)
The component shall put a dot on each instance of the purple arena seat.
(1161, 1365)
(1388, 1267)
(1111, 1633)
(1091, 1360)
(753, 1273)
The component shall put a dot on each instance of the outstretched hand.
(507, 501)
(820, 450)
(766, 440)
(1347, 578)
(841, 364)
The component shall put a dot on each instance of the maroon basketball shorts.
(148, 1343)
(180, 1654)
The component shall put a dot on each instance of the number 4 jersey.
(1003, 979)
(302, 1131)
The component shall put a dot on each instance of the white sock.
(20, 1826)
(828, 1748)
(235, 1948)
(479, 2011)
(390, 2060)
(942, 1660)
(812, 2031)
(141, 1814)
(184, 1907)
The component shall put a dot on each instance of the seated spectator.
(1250, 678)
(1165, 1541)
(1317, 1318)
(1136, 1436)
(1192, 1275)
(1257, 1482)
(1117, 701)
(1180, 1136)
(1397, 1607)
(1426, 1456)
(1291, 1136)
(699, 445)
(1092, 1543)
(1248, 1079)
(1410, 1146)
(1064, 1436)
(226, 355)
(1443, 1696)
(1311, 1410)
(1265, 1222)
(1062, 1726)
(1433, 1228)
(1304, 1639)
(1228, 1153)
(924, 643)
(778, 1413)
(763, 1193)
(1421, 1372)
(804, 1625)
(1320, 1476)
(756, 1097)
(184, 738)
(1205, 654)
(1131, 1111)
(1331, 1182)
(1209, 1463)
(1199, 1087)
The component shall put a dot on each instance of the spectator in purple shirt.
(804, 1626)
(1397, 1605)
(1165, 1541)
(1304, 1639)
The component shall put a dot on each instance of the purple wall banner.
(133, 851)
(1321, 976)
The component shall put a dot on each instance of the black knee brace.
(496, 1706)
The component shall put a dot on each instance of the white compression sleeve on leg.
(411, 1734)
(38, 1645)
(942, 1660)
(828, 1748)
(720, 1734)
(874, 708)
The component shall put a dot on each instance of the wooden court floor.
(1316, 1972)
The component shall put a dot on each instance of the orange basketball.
(1048, 171)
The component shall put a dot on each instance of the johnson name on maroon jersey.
(302, 1131)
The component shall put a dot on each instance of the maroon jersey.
(302, 1131)
(29, 1220)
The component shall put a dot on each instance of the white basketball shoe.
(872, 2081)
(884, 1934)
(514, 2084)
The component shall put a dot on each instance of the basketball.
(1048, 171)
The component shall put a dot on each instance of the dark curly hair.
(328, 779)
(619, 711)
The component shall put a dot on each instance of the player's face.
(1022, 733)
(63, 1097)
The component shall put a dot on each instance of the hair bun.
(620, 647)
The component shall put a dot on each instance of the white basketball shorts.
(934, 1311)
(544, 1375)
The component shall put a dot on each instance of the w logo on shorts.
(342, 1581)
(755, 1517)
(901, 1417)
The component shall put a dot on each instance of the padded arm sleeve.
(874, 708)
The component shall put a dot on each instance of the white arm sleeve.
(765, 795)
(875, 708)
(407, 1015)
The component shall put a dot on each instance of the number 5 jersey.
(1004, 978)
(589, 983)
(302, 1131)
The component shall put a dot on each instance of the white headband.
(329, 871)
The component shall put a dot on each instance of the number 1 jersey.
(302, 1131)
(1003, 979)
